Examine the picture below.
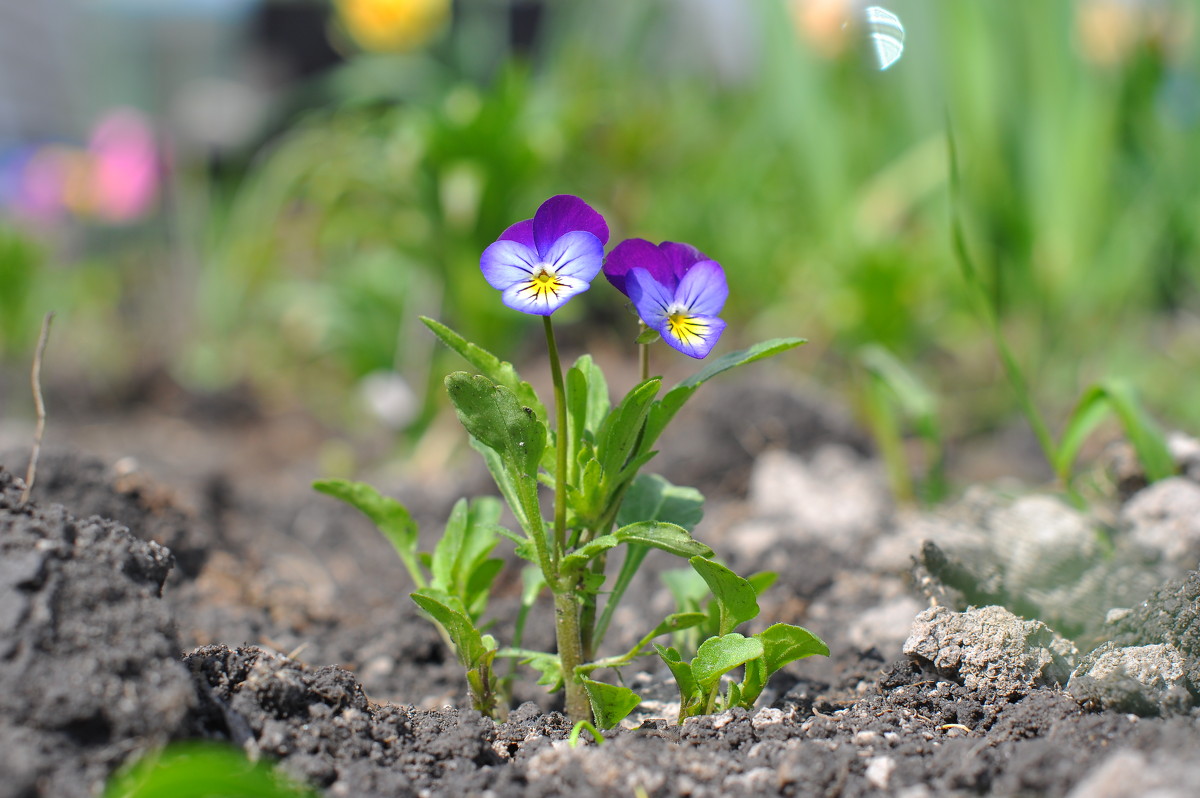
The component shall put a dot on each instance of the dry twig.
(35, 377)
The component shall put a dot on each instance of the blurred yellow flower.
(822, 23)
(392, 25)
(1109, 31)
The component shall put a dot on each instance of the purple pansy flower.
(677, 291)
(542, 262)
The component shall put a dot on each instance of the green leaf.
(444, 564)
(202, 770)
(389, 515)
(652, 498)
(548, 665)
(753, 682)
(689, 688)
(668, 537)
(665, 409)
(892, 391)
(648, 337)
(611, 703)
(735, 596)
(620, 431)
(1145, 436)
(580, 557)
(719, 655)
(687, 587)
(784, 643)
(468, 641)
(479, 586)
(498, 371)
(587, 397)
(761, 581)
(505, 482)
(494, 417)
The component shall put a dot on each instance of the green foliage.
(19, 261)
(610, 702)
(202, 770)
(389, 516)
(454, 582)
(476, 651)
(892, 394)
(762, 654)
(1115, 395)
(1119, 398)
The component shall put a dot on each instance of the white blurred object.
(389, 397)
(886, 35)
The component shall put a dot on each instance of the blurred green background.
(323, 173)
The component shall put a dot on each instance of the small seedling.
(590, 453)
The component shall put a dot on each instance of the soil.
(179, 581)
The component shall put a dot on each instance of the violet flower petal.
(703, 290)
(507, 262)
(695, 336)
(680, 257)
(576, 254)
(521, 232)
(651, 298)
(637, 253)
(563, 214)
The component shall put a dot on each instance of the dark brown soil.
(140, 608)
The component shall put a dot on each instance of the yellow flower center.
(687, 329)
(543, 283)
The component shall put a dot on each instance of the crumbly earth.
(281, 626)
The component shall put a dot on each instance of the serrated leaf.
(494, 417)
(611, 703)
(668, 537)
(719, 655)
(650, 497)
(498, 371)
(665, 409)
(736, 599)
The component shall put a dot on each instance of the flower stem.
(643, 353)
(566, 601)
(560, 441)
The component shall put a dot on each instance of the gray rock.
(1165, 518)
(1185, 451)
(1035, 555)
(1144, 680)
(1172, 616)
(990, 649)
(1128, 772)
(836, 496)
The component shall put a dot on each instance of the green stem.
(560, 442)
(566, 603)
(643, 353)
(570, 655)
